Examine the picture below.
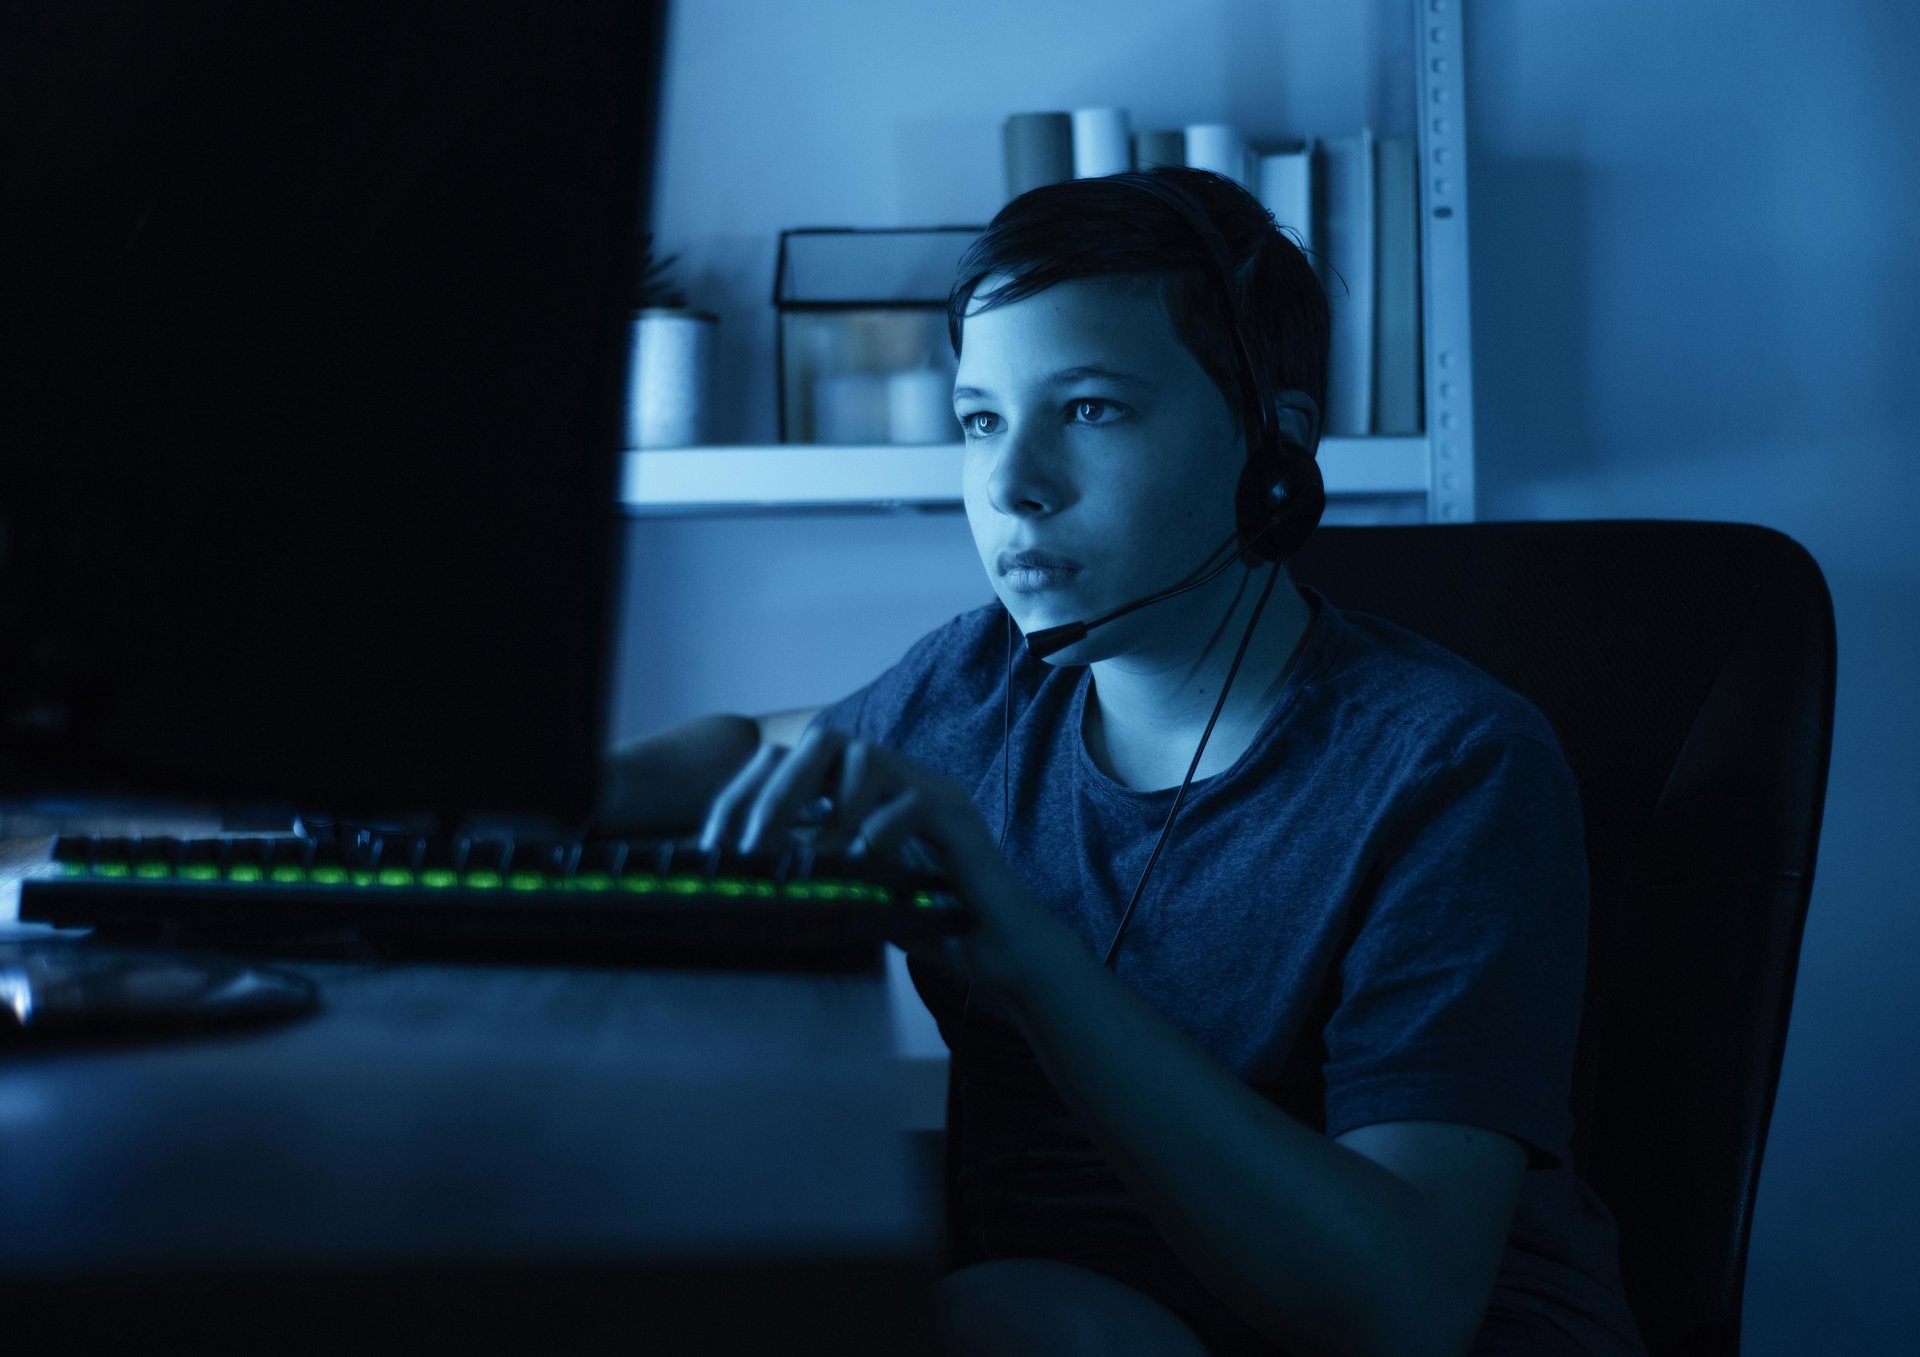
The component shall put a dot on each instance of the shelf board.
(790, 476)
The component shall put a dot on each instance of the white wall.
(1694, 289)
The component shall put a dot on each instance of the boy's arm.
(1383, 1242)
(665, 782)
(785, 727)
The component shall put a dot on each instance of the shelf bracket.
(1439, 58)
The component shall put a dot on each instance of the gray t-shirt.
(1377, 913)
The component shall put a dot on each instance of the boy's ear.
(1298, 418)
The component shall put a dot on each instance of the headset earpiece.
(1281, 496)
(1279, 510)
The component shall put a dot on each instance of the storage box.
(861, 340)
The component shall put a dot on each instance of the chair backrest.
(1688, 670)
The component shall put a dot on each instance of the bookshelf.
(1433, 470)
(799, 476)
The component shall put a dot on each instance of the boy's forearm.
(665, 782)
(1318, 1247)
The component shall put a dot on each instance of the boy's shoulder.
(968, 631)
(1397, 678)
(966, 650)
(941, 687)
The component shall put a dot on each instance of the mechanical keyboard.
(597, 900)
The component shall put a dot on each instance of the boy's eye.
(1085, 411)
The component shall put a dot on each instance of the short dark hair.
(1083, 228)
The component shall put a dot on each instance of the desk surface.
(478, 1117)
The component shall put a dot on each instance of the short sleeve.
(848, 716)
(940, 703)
(1461, 992)
(876, 711)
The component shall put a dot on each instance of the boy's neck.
(1141, 729)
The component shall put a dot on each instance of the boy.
(1309, 1092)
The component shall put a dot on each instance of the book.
(1101, 145)
(1397, 376)
(1218, 147)
(1283, 183)
(1343, 228)
(1159, 147)
(1038, 150)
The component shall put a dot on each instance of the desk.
(484, 1158)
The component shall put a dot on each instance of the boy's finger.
(737, 796)
(793, 785)
(889, 831)
(862, 785)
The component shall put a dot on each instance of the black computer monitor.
(314, 337)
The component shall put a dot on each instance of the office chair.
(1688, 671)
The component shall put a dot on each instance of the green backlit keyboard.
(618, 901)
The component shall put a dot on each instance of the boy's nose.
(1026, 477)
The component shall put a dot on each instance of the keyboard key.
(161, 848)
(329, 866)
(653, 857)
(603, 857)
(74, 854)
(552, 859)
(202, 860)
(441, 859)
(288, 860)
(246, 859)
(113, 857)
(401, 852)
(485, 867)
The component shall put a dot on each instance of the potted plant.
(672, 356)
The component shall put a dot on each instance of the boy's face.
(1131, 480)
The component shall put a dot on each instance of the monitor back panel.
(315, 334)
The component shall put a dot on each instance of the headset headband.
(1255, 405)
(1281, 495)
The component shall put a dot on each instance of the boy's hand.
(883, 803)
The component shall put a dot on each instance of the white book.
(1344, 230)
(1285, 188)
(1102, 144)
(1219, 147)
(1396, 332)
